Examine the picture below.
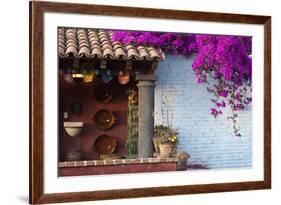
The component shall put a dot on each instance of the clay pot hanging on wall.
(123, 77)
(103, 94)
(104, 119)
(105, 145)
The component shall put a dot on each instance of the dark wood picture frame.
(36, 192)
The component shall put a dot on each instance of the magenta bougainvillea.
(223, 63)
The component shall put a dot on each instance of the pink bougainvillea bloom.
(224, 59)
(223, 93)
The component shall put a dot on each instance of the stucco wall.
(209, 141)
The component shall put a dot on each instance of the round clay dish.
(103, 94)
(104, 119)
(105, 145)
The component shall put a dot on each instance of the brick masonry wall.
(187, 105)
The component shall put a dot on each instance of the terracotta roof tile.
(91, 43)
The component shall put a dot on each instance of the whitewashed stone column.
(146, 85)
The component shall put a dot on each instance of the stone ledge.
(91, 163)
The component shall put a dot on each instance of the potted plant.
(165, 140)
(182, 160)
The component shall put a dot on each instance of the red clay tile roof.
(92, 43)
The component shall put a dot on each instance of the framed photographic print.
(132, 102)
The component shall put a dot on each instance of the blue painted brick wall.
(187, 104)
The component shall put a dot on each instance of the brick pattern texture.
(185, 105)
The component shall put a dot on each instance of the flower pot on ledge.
(182, 160)
(166, 149)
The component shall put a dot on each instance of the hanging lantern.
(88, 77)
(88, 72)
(77, 73)
(106, 75)
(78, 77)
(123, 77)
(108, 72)
(68, 76)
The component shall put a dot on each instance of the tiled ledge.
(89, 163)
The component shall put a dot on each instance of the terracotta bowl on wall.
(103, 94)
(105, 145)
(104, 119)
